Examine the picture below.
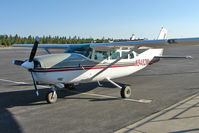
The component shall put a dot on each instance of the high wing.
(43, 45)
(150, 43)
(184, 41)
(145, 43)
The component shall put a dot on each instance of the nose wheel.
(51, 97)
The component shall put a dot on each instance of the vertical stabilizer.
(163, 33)
(132, 37)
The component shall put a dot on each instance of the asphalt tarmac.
(91, 108)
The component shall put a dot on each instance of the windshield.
(83, 49)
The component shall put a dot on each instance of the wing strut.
(112, 82)
(123, 56)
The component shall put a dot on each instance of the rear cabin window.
(131, 55)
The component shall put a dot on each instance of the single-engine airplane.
(83, 63)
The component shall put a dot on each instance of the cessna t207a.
(83, 63)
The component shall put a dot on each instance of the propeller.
(32, 55)
(34, 49)
(29, 64)
(17, 62)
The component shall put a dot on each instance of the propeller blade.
(34, 49)
(35, 85)
(17, 62)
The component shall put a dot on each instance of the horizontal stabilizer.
(157, 58)
(174, 57)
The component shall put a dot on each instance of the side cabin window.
(110, 55)
(118, 54)
(130, 56)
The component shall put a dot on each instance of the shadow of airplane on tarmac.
(28, 98)
(8, 123)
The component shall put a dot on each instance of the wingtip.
(189, 57)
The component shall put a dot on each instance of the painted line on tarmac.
(5, 80)
(105, 96)
(97, 95)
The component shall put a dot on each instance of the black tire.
(51, 97)
(125, 92)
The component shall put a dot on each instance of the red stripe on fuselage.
(83, 68)
(139, 62)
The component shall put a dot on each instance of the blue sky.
(98, 18)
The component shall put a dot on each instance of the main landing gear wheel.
(51, 97)
(125, 92)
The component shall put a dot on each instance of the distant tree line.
(8, 40)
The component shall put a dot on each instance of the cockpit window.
(114, 55)
(101, 55)
(89, 53)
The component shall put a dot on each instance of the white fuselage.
(84, 74)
